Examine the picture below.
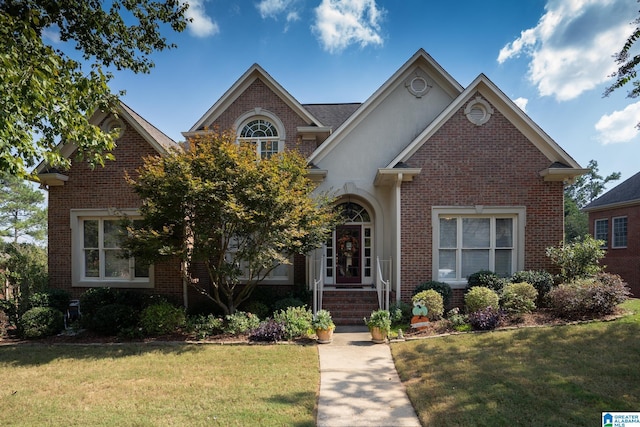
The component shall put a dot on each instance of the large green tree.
(216, 204)
(22, 210)
(47, 95)
(627, 66)
(584, 190)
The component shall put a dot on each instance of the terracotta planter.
(325, 336)
(378, 336)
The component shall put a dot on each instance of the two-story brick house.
(614, 218)
(439, 181)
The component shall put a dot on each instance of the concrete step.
(350, 306)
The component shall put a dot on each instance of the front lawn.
(560, 376)
(158, 384)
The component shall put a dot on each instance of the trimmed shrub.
(296, 320)
(433, 301)
(441, 287)
(487, 279)
(240, 323)
(519, 298)
(479, 298)
(400, 312)
(459, 322)
(588, 298)
(540, 279)
(111, 319)
(258, 308)
(40, 322)
(54, 298)
(161, 318)
(283, 304)
(268, 331)
(485, 319)
(205, 326)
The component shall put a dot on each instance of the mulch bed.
(537, 319)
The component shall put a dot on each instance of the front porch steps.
(350, 305)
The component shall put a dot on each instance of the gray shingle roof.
(155, 133)
(332, 115)
(627, 191)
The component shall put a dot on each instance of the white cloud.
(572, 46)
(201, 25)
(522, 103)
(51, 33)
(273, 8)
(340, 23)
(619, 126)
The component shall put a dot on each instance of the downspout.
(398, 234)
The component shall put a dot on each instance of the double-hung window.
(601, 231)
(467, 240)
(619, 232)
(98, 259)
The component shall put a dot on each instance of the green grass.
(151, 385)
(560, 376)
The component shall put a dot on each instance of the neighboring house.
(615, 218)
(438, 182)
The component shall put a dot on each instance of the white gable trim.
(510, 110)
(421, 57)
(254, 73)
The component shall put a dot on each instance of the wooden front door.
(349, 254)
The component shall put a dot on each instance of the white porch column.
(398, 234)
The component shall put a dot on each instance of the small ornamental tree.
(579, 259)
(217, 204)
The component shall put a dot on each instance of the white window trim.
(275, 280)
(595, 231)
(261, 114)
(613, 233)
(518, 212)
(77, 246)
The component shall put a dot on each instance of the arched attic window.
(264, 135)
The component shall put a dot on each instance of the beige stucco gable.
(386, 123)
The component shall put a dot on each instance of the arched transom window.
(264, 135)
(353, 212)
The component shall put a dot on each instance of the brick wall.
(623, 261)
(467, 165)
(259, 95)
(100, 188)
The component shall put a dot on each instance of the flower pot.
(378, 335)
(325, 336)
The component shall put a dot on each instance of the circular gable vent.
(478, 111)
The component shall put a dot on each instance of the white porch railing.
(316, 277)
(383, 287)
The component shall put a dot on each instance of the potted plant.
(379, 325)
(324, 326)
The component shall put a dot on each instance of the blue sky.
(551, 56)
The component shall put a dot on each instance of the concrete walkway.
(359, 385)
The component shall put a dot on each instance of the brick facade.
(468, 165)
(622, 261)
(100, 188)
(258, 95)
